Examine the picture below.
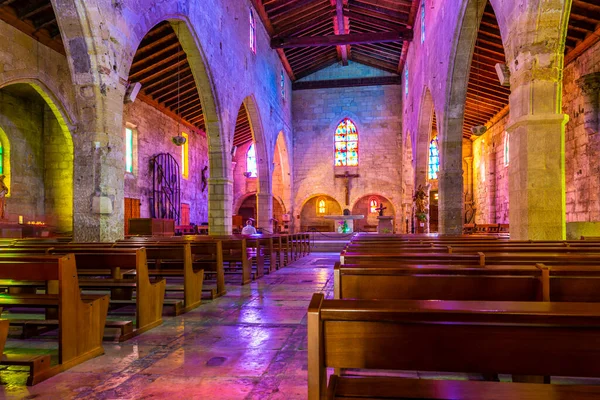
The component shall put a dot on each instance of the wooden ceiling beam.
(146, 88)
(393, 15)
(583, 46)
(180, 57)
(8, 15)
(260, 9)
(323, 64)
(296, 28)
(287, 6)
(340, 28)
(374, 63)
(335, 40)
(397, 27)
(148, 100)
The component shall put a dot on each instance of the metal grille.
(166, 200)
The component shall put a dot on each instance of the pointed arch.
(282, 179)
(423, 137)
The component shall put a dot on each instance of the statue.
(204, 180)
(3, 193)
(421, 203)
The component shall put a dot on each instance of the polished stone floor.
(249, 344)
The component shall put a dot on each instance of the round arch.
(219, 159)
(311, 219)
(362, 207)
(57, 156)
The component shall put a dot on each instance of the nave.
(248, 344)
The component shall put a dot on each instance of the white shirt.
(249, 230)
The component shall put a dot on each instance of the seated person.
(249, 229)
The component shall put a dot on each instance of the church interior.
(291, 199)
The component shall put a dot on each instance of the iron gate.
(166, 200)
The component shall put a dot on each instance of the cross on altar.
(347, 176)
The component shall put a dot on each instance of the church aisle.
(249, 344)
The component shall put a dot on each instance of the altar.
(344, 223)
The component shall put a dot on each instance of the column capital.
(468, 160)
(537, 119)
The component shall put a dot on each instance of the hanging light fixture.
(178, 139)
(478, 130)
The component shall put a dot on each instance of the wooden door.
(132, 210)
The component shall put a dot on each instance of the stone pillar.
(590, 88)
(264, 213)
(99, 164)
(537, 208)
(450, 179)
(220, 204)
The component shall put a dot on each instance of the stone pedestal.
(385, 224)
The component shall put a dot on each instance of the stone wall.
(376, 112)
(582, 150)
(490, 176)
(38, 159)
(154, 131)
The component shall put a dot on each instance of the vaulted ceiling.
(313, 34)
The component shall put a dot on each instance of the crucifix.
(347, 176)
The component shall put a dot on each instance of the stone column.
(264, 205)
(451, 179)
(590, 88)
(99, 164)
(537, 208)
(220, 204)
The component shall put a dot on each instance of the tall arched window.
(346, 144)
(252, 32)
(251, 168)
(434, 159)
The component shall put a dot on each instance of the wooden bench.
(519, 338)
(500, 283)
(81, 318)
(113, 264)
(374, 387)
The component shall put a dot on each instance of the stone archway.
(37, 156)
(282, 182)
(312, 219)
(363, 206)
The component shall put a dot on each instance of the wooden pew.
(206, 254)
(81, 318)
(114, 264)
(382, 388)
(521, 338)
(499, 283)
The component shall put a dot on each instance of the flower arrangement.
(421, 216)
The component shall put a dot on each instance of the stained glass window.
(251, 167)
(1, 159)
(346, 144)
(373, 206)
(423, 21)
(506, 149)
(252, 32)
(406, 81)
(129, 150)
(282, 83)
(321, 206)
(434, 159)
(185, 164)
